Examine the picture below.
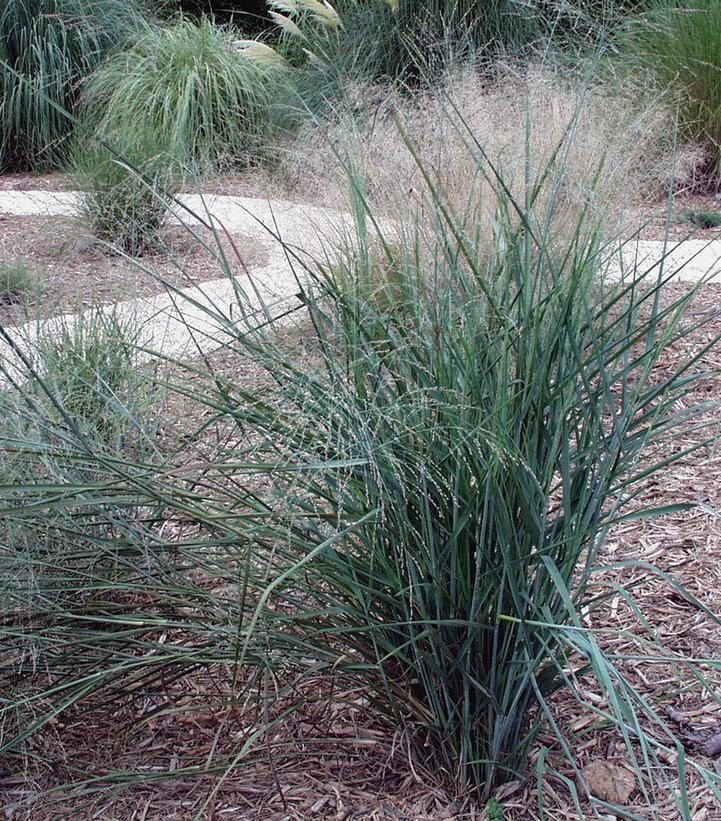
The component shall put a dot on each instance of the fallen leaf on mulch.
(609, 782)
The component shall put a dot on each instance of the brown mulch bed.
(55, 181)
(651, 219)
(363, 770)
(71, 271)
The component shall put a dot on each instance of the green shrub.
(704, 219)
(192, 89)
(15, 279)
(676, 44)
(47, 49)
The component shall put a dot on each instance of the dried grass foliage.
(617, 153)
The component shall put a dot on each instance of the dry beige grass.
(612, 154)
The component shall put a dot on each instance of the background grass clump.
(191, 88)
(410, 43)
(16, 278)
(47, 49)
(89, 371)
(675, 46)
(414, 44)
(127, 185)
(79, 378)
(621, 153)
(703, 219)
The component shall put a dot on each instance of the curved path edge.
(200, 318)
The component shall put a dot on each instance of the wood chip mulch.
(70, 271)
(653, 221)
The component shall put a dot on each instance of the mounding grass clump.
(413, 522)
(635, 141)
(193, 88)
(47, 49)
(86, 362)
(15, 279)
(415, 42)
(677, 45)
(88, 377)
(704, 219)
(441, 491)
(127, 186)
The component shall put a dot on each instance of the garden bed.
(55, 181)
(332, 758)
(692, 217)
(427, 529)
(70, 271)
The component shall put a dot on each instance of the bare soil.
(55, 181)
(71, 271)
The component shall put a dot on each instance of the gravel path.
(198, 318)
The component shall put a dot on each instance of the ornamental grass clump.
(127, 187)
(191, 87)
(442, 486)
(84, 381)
(632, 146)
(677, 47)
(16, 279)
(47, 50)
(409, 519)
(88, 368)
(408, 41)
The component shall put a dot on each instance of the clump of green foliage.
(15, 279)
(88, 377)
(704, 219)
(440, 493)
(387, 40)
(192, 88)
(419, 514)
(47, 49)
(127, 186)
(676, 44)
(416, 42)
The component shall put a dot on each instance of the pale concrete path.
(201, 317)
